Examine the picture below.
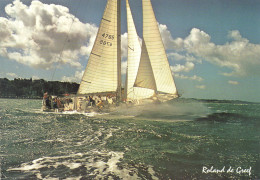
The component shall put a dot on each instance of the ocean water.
(182, 139)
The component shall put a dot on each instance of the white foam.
(104, 164)
(74, 178)
(72, 165)
(39, 176)
(28, 166)
(152, 173)
(108, 135)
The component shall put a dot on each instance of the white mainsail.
(154, 52)
(133, 61)
(103, 71)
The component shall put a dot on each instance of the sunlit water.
(167, 141)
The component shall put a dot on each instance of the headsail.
(103, 72)
(145, 77)
(133, 59)
(156, 53)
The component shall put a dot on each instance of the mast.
(152, 43)
(119, 89)
(103, 71)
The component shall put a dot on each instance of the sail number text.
(108, 37)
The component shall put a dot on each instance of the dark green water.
(169, 141)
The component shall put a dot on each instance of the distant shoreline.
(34, 89)
(3, 97)
(227, 101)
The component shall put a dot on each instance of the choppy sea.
(182, 139)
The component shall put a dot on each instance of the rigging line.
(66, 39)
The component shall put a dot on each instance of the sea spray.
(173, 110)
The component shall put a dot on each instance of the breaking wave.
(92, 165)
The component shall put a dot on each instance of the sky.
(213, 46)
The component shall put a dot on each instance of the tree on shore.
(28, 88)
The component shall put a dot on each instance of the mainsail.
(103, 71)
(153, 52)
(133, 61)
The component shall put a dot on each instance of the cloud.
(168, 41)
(195, 77)
(35, 77)
(124, 46)
(201, 86)
(180, 68)
(76, 78)
(233, 82)
(176, 56)
(123, 67)
(12, 75)
(40, 35)
(241, 57)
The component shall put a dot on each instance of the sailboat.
(148, 77)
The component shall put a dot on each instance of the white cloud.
(201, 86)
(195, 77)
(168, 41)
(176, 56)
(180, 68)
(123, 67)
(240, 56)
(233, 82)
(12, 75)
(35, 77)
(235, 35)
(124, 45)
(76, 78)
(36, 35)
